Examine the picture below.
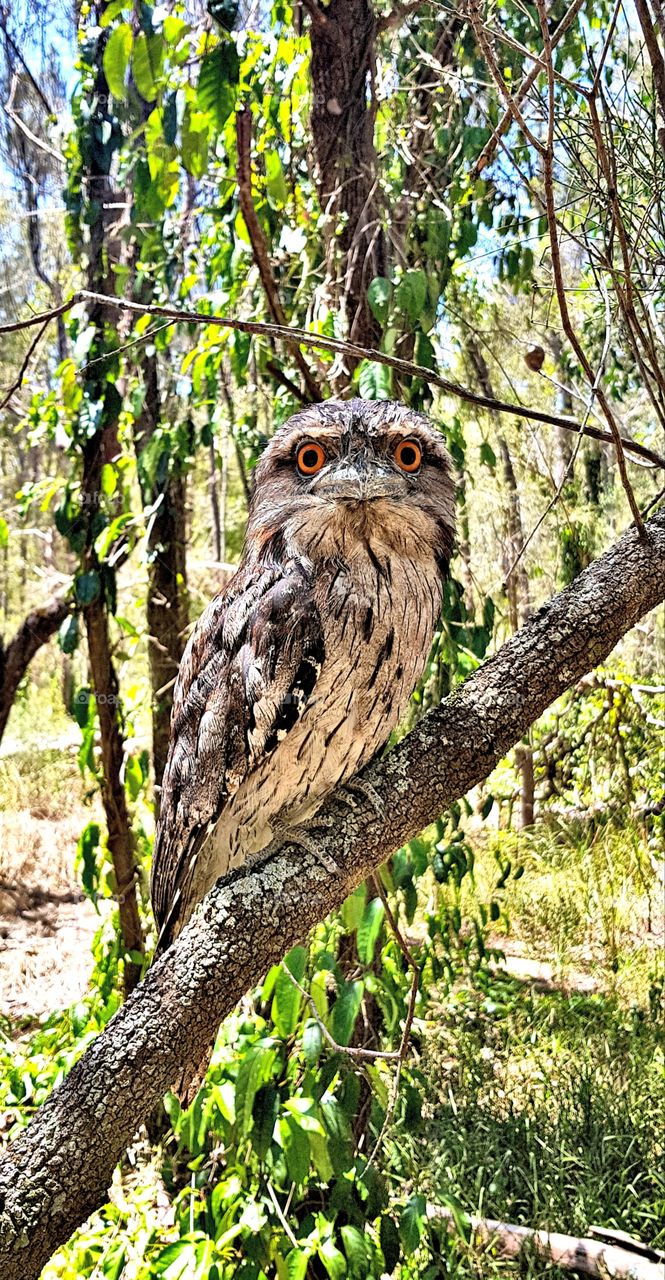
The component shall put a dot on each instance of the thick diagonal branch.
(35, 630)
(57, 1172)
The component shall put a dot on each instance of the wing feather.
(246, 674)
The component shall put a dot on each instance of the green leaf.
(68, 635)
(81, 704)
(255, 1070)
(287, 998)
(411, 1223)
(264, 1113)
(345, 1011)
(176, 1261)
(86, 860)
(487, 806)
(375, 381)
(4, 532)
(312, 1041)
(296, 1148)
(379, 294)
(424, 353)
(108, 480)
(275, 182)
(114, 1260)
(369, 930)
(147, 64)
(133, 776)
(353, 907)
(170, 118)
(216, 92)
(332, 1260)
(411, 294)
(321, 1156)
(296, 1264)
(487, 455)
(389, 1241)
(116, 59)
(357, 1251)
(86, 587)
(112, 10)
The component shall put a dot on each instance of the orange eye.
(310, 458)
(408, 455)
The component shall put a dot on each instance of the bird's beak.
(357, 482)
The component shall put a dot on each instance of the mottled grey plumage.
(297, 672)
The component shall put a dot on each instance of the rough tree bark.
(15, 658)
(57, 1172)
(342, 41)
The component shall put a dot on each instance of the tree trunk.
(166, 610)
(100, 448)
(58, 1170)
(343, 111)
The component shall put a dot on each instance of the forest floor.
(46, 922)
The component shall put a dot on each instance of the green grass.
(588, 899)
(547, 1108)
(553, 1112)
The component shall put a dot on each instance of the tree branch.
(58, 1171)
(489, 150)
(343, 347)
(35, 630)
(260, 247)
(619, 1256)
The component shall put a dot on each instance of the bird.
(299, 669)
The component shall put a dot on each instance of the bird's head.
(344, 475)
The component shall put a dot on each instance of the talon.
(304, 837)
(366, 789)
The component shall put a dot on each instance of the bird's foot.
(363, 787)
(305, 838)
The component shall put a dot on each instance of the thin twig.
(513, 107)
(548, 183)
(11, 111)
(352, 1051)
(398, 14)
(280, 1214)
(316, 14)
(18, 381)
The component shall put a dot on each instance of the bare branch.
(489, 150)
(548, 182)
(617, 1255)
(18, 380)
(316, 340)
(657, 63)
(20, 124)
(512, 105)
(398, 14)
